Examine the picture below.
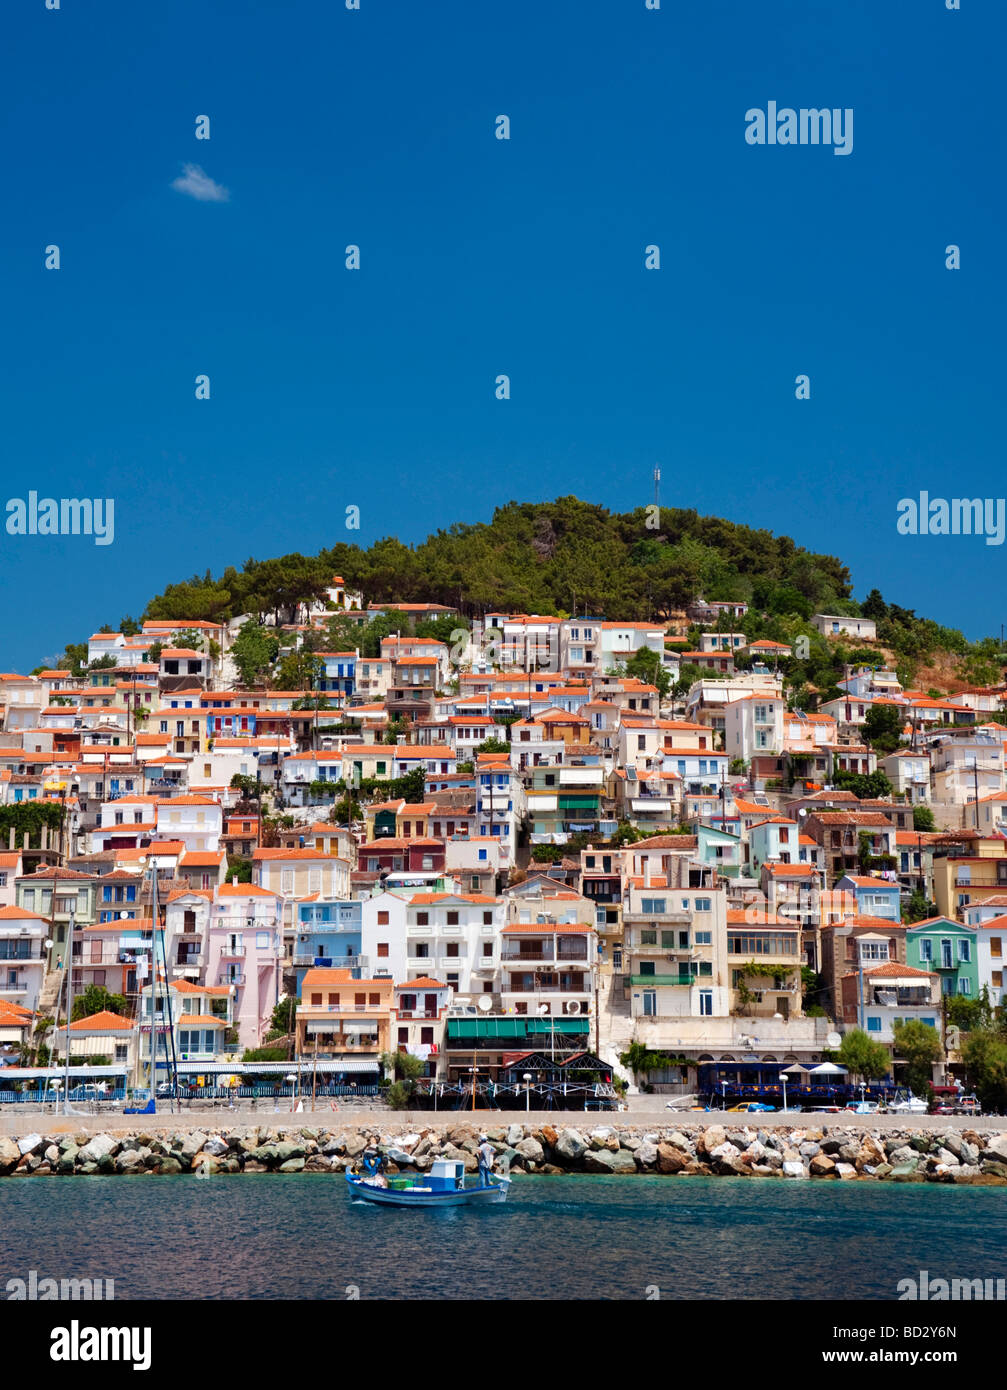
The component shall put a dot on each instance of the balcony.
(517, 960)
(682, 978)
(230, 951)
(582, 991)
(325, 962)
(225, 977)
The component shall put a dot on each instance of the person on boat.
(373, 1164)
(487, 1157)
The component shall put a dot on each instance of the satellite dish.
(485, 1003)
(833, 1040)
(543, 1009)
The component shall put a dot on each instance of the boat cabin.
(446, 1175)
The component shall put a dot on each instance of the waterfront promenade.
(21, 1119)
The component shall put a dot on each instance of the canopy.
(795, 1070)
(828, 1069)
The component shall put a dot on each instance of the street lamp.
(292, 1078)
(783, 1078)
(527, 1090)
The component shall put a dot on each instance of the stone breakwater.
(833, 1152)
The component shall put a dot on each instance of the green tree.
(883, 727)
(645, 665)
(874, 606)
(970, 1014)
(253, 652)
(492, 745)
(863, 1056)
(94, 1000)
(919, 907)
(284, 1015)
(919, 1047)
(923, 819)
(985, 1058)
(867, 786)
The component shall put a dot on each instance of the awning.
(44, 1073)
(356, 1065)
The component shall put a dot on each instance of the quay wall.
(909, 1151)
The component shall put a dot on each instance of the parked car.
(863, 1107)
(751, 1107)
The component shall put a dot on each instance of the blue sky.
(480, 257)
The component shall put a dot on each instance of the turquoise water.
(262, 1236)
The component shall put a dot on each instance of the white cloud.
(199, 185)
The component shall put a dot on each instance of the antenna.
(657, 487)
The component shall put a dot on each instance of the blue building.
(328, 933)
(339, 671)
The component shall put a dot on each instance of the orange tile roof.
(103, 1022)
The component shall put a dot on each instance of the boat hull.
(418, 1197)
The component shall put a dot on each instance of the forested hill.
(542, 557)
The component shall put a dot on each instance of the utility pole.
(69, 1008)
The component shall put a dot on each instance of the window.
(704, 938)
(926, 949)
(382, 950)
(668, 939)
(873, 1023)
(647, 967)
(706, 1003)
(964, 950)
(262, 941)
(653, 907)
(648, 938)
(964, 986)
(996, 947)
(703, 904)
(422, 919)
(382, 919)
(452, 919)
(946, 960)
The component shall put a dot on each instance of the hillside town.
(521, 864)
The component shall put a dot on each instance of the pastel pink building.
(245, 953)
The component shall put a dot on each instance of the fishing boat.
(443, 1186)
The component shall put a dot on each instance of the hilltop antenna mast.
(657, 488)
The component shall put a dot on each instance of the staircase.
(615, 1027)
(49, 993)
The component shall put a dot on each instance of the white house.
(197, 821)
(840, 625)
(23, 955)
(753, 724)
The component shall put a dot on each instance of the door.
(649, 1003)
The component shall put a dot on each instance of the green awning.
(514, 1027)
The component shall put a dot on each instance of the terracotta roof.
(103, 1022)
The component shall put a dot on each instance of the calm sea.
(261, 1236)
